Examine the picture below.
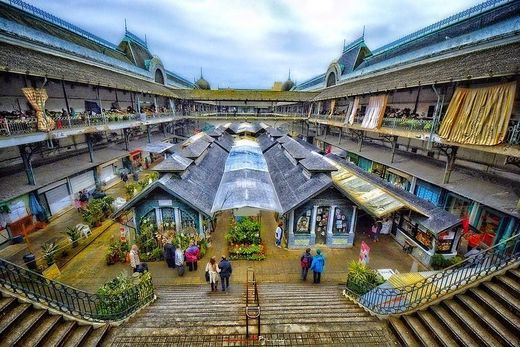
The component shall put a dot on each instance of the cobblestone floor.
(333, 338)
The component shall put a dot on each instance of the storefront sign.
(165, 202)
(304, 242)
(364, 252)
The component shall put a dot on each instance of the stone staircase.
(21, 324)
(186, 310)
(297, 314)
(485, 315)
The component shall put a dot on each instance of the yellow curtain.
(37, 98)
(479, 116)
(375, 111)
(332, 106)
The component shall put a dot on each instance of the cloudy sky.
(251, 43)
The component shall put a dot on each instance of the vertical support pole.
(451, 153)
(360, 141)
(100, 105)
(26, 154)
(417, 100)
(394, 145)
(90, 148)
(340, 134)
(172, 106)
(155, 104)
(125, 135)
(148, 134)
(66, 101)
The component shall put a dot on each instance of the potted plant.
(361, 278)
(49, 252)
(74, 235)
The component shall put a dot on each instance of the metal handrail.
(73, 301)
(390, 301)
(252, 310)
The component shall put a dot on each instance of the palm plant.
(74, 235)
(49, 251)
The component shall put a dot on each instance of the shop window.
(428, 192)
(489, 224)
(365, 164)
(322, 222)
(150, 217)
(168, 216)
(353, 158)
(378, 169)
(445, 241)
(187, 220)
(303, 222)
(397, 181)
(424, 238)
(458, 206)
(341, 223)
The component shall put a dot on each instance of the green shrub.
(245, 231)
(74, 235)
(361, 278)
(441, 262)
(49, 252)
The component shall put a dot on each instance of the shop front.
(428, 192)
(109, 172)
(457, 205)
(422, 239)
(55, 197)
(398, 178)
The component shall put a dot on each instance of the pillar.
(148, 134)
(413, 184)
(201, 228)
(353, 224)
(90, 148)
(340, 134)
(125, 136)
(394, 145)
(26, 154)
(329, 236)
(450, 162)
(360, 142)
(312, 239)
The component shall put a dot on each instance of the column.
(90, 148)
(475, 209)
(201, 229)
(125, 136)
(148, 134)
(26, 154)
(312, 240)
(413, 184)
(172, 106)
(329, 237)
(178, 221)
(353, 223)
(290, 228)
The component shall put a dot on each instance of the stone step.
(471, 324)
(403, 333)
(77, 335)
(510, 284)
(170, 331)
(457, 331)
(59, 333)
(291, 328)
(514, 273)
(45, 326)
(31, 319)
(503, 296)
(315, 314)
(500, 331)
(95, 337)
(419, 330)
(164, 323)
(302, 320)
(6, 303)
(10, 316)
(500, 311)
(441, 334)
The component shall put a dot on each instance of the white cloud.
(250, 44)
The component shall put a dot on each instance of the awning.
(363, 193)
(158, 147)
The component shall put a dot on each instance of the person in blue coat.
(317, 265)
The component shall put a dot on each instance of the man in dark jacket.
(225, 272)
(169, 254)
(305, 263)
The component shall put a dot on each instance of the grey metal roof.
(274, 132)
(435, 219)
(239, 128)
(296, 150)
(173, 163)
(292, 186)
(316, 163)
(225, 141)
(284, 139)
(158, 147)
(265, 142)
(193, 147)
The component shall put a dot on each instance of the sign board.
(165, 202)
(364, 252)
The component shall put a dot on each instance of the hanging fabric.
(37, 209)
(37, 98)
(332, 106)
(353, 113)
(479, 116)
(375, 111)
(310, 110)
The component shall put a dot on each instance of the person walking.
(135, 262)
(179, 261)
(317, 265)
(192, 256)
(225, 272)
(305, 263)
(278, 235)
(376, 230)
(213, 270)
(169, 253)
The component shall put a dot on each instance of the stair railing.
(385, 301)
(72, 301)
(252, 302)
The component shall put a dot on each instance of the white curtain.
(353, 113)
(375, 111)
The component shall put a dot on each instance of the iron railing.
(244, 115)
(73, 301)
(408, 124)
(10, 127)
(389, 301)
(252, 303)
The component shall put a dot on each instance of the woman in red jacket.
(192, 255)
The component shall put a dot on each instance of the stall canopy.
(246, 185)
(365, 194)
(158, 147)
